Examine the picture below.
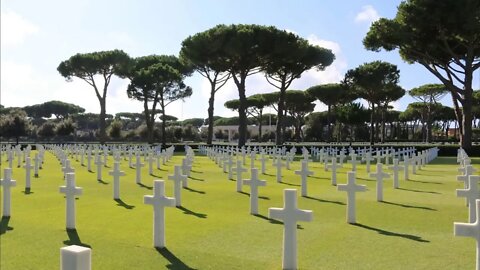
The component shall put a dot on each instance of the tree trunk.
(280, 119)
(329, 130)
(242, 113)
(103, 111)
(148, 122)
(211, 105)
(383, 125)
(372, 127)
(429, 123)
(260, 126)
(466, 136)
(297, 130)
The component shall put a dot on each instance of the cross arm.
(466, 229)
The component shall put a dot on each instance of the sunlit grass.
(412, 229)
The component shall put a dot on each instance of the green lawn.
(412, 229)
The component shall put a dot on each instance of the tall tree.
(429, 94)
(331, 95)
(87, 66)
(286, 60)
(390, 94)
(298, 104)
(14, 124)
(158, 80)
(255, 105)
(444, 37)
(352, 115)
(244, 45)
(202, 52)
(370, 81)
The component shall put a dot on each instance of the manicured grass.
(412, 229)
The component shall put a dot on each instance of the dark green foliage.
(195, 122)
(444, 37)
(157, 80)
(46, 130)
(65, 127)
(86, 66)
(14, 124)
(115, 129)
(376, 82)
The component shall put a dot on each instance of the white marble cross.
(178, 178)
(471, 230)
(353, 160)
(89, 161)
(116, 173)
(254, 183)
(395, 168)
(368, 158)
(7, 183)
(252, 159)
(150, 163)
(36, 164)
(351, 188)
(406, 162)
(262, 162)
(70, 190)
(138, 169)
(380, 175)
(467, 171)
(159, 201)
(239, 170)
(28, 170)
(333, 166)
(67, 168)
(471, 195)
(186, 167)
(290, 215)
(304, 173)
(279, 165)
(229, 163)
(99, 163)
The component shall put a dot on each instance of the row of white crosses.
(472, 196)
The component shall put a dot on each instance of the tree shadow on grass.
(274, 221)
(74, 239)
(175, 262)
(100, 181)
(121, 203)
(190, 212)
(419, 191)
(194, 190)
(4, 225)
(389, 233)
(322, 200)
(28, 191)
(410, 206)
(144, 186)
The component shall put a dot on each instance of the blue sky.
(37, 35)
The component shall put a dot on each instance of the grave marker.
(290, 215)
(159, 201)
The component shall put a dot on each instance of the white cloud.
(15, 29)
(368, 14)
(332, 74)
